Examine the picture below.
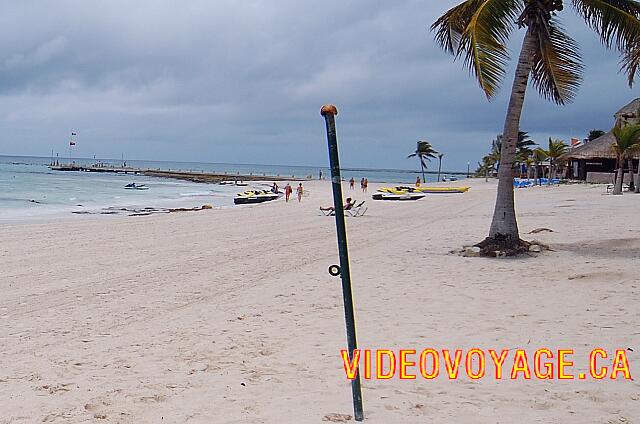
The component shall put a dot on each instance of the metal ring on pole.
(334, 270)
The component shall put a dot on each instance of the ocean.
(30, 191)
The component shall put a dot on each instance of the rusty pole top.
(329, 109)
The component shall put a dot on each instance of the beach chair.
(357, 210)
(610, 188)
(327, 212)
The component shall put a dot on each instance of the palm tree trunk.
(422, 167)
(637, 186)
(535, 173)
(632, 185)
(618, 187)
(504, 226)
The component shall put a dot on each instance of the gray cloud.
(231, 81)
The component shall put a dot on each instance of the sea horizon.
(116, 161)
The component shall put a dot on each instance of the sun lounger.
(610, 187)
(357, 210)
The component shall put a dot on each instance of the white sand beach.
(230, 315)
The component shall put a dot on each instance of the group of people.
(288, 190)
(364, 184)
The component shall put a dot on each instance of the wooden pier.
(195, 176)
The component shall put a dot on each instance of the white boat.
(236, 183)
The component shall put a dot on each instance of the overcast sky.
(243, 82)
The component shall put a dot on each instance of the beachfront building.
(595, 161)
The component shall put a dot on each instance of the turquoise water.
(30, 190)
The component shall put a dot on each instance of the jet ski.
(134, 186)
(254, 196)
(397, 193)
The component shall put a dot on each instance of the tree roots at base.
(501, 245)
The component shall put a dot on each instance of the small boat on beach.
(254, 196)
(134, 186)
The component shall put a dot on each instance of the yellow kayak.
(443, 190)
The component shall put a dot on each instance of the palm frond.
(557, 65)
(615, 21)
(630, 62)
(450, 26)
(627, 139)
(478, 31)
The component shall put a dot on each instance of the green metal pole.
(329, 112)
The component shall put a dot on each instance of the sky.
(243, 82)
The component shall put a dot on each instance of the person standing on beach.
(365, 185)
(320, 174)
(352, 183)
(299, 192)
(287, 192)
(417, 181)
(274, 188)
(362, 184)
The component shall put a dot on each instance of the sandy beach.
(230, 315)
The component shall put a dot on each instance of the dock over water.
(187, 175)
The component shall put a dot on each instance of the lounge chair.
(327, 211)
(610, 187)
(357, 210)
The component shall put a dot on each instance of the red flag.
(72, 143)
(575, 142)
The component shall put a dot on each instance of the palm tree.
(627, 140)
(425, 152)
(593, 134)
(539, 155)
(479, 30)
(522, 147)
(439, 164)
(556, 149)
(488, 164)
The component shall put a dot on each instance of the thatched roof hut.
(595, 161)
(629, 114)
(602, 147)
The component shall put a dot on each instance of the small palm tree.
(627, 141)
(425, 152)
(440, 155)
(539, 155)
(478, 31)
(556, 149)
(488, 164)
